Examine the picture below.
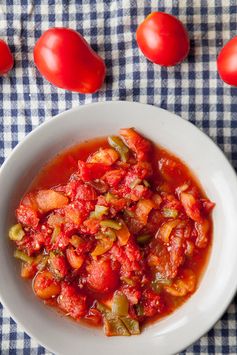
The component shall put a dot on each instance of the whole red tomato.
(227, 62)
(66, 60)
(163, 39)
(6, 58)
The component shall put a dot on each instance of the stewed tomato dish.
(115, 231)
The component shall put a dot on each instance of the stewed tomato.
(121, 237)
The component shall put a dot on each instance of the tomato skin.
(227, 62)
(6, 58)
(163, 39)
(66, 60)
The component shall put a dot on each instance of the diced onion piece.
(166, 229)
(56, 232)
(48, 200)
(107, 156)
(134, 183)
(75, 240)
(182, 188)
(143, 209)
(191, 206)
(170, 213)
(189, 248)
(103, 245)
(123, 234)
(55, 220)
(16, 232)
(73, 216)
(186, 283)
(99, 211)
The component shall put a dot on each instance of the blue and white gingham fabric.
(192, 90)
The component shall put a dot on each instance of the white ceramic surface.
(218, 179)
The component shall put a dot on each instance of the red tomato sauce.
(114, 233)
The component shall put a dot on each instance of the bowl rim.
(51, 121)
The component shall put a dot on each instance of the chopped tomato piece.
(207, 205)
(191, 206)
(202, 229)
(27, 216)
(92, 225)
(113, 177)
(74, 259)
(58, 265)
(76, 212)
(101, 277)
(91, 171)
(143, 169)
(138, 144)
(170, 170)
(71, 301)
(133, 294)
(151, 302)
(129, 257)
(77, 190)
(45, 286)
(176, 252)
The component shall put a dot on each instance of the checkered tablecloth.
(192, 90)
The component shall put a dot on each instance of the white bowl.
(219, 283)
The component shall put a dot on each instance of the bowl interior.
(217, 178)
